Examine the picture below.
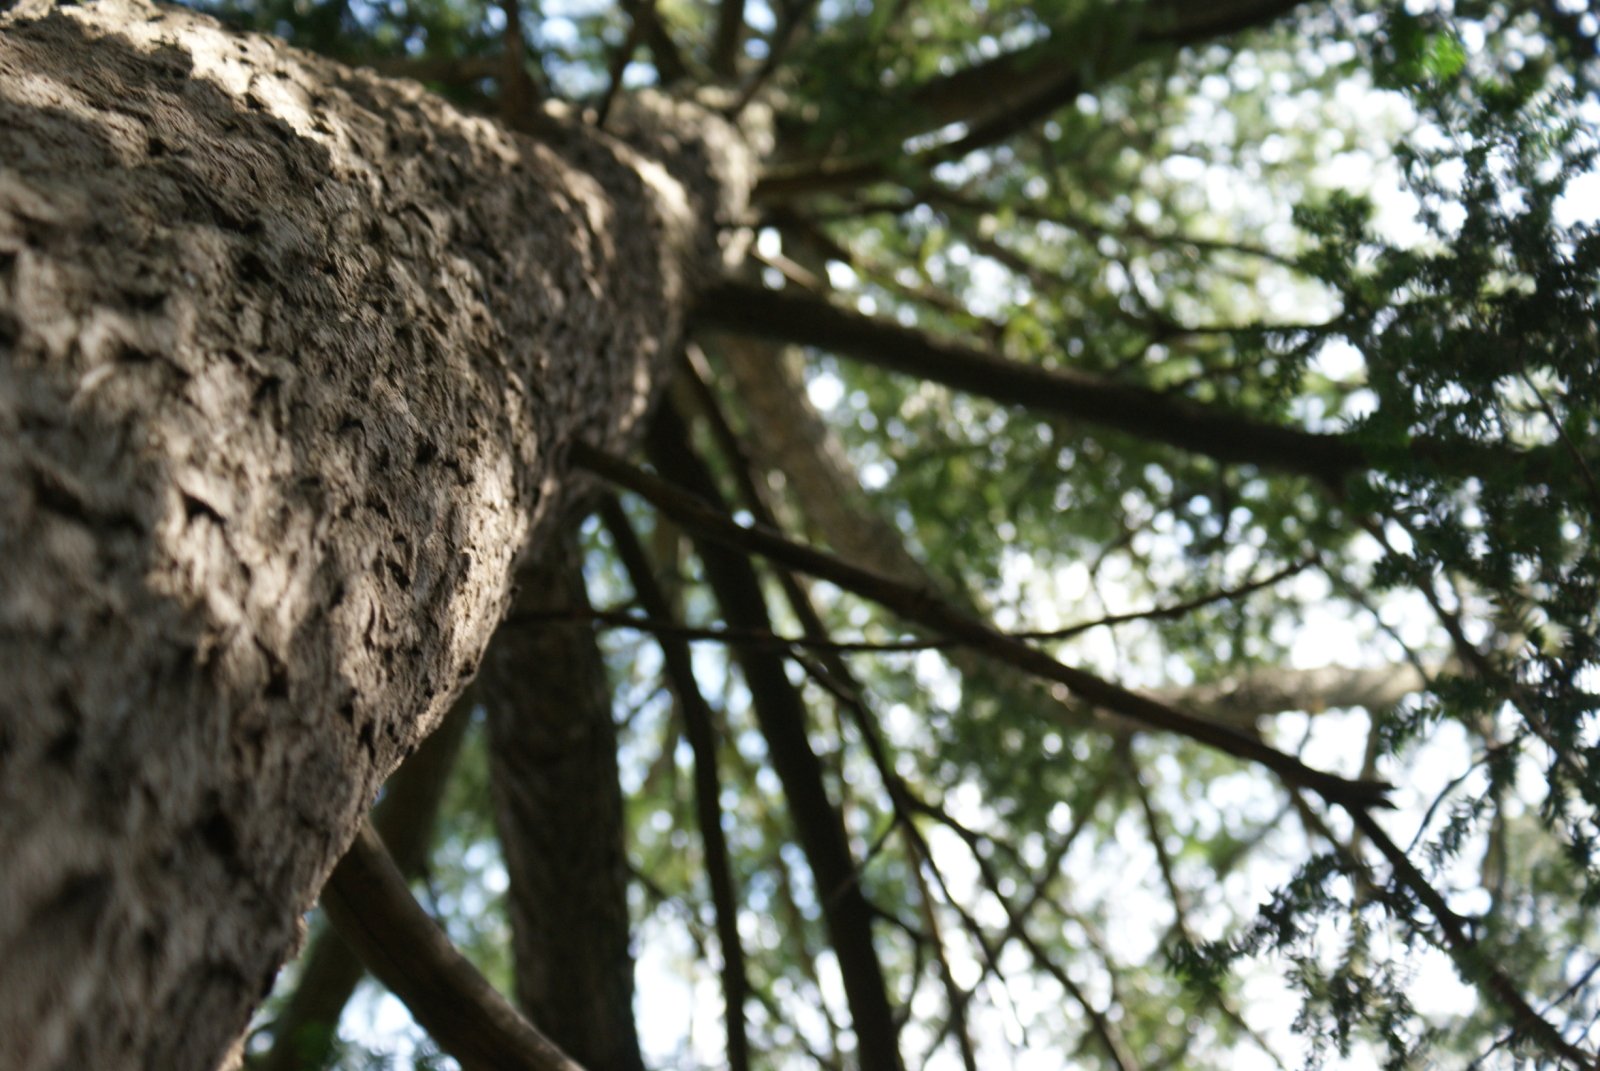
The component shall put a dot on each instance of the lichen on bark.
(288, 356)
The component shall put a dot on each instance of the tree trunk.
(558, 809)
(288, 357)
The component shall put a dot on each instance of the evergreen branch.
(1473, 963)
(1209, 430)
(928, 610)
(367, 900)
(701, 732)
(1010, 93)
(835, 677)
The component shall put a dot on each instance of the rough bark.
(558, 809)
(304, 1032)
(288, 356)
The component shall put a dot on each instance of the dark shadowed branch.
(927, 609)
(1209, 430)
(1474, 963)
(367, 900)
(727, 37)
(671, 68)
(701, 732)
(1227, 436)
(781, 714)
(1013, 91)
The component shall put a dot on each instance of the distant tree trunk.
(288, 357)
(558, 809)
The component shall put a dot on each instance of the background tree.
(1205, 631)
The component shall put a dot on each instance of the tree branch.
(699, 729)
(782, 717)
(1009, 93)
(451, 70)
(1209, 430)
(1212, 431)
(367, 900)
(725, 41)
(518, 95)
(927, 609)
(791, 18)
(670, 66)
(1474, 965)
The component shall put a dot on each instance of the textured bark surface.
(304, 1032)
(288, 354)
(558, 809)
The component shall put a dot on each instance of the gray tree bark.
(288, 357)
(305, 1031)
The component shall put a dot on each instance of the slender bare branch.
(699, 729)
(367, 900)
(928, 610)
(728, 36)
(781, 714)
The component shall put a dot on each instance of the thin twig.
(707, 786)
(928, 610)
(369, 904)
(755, 638)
